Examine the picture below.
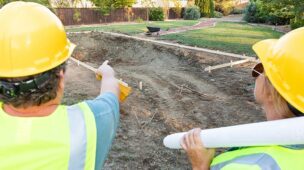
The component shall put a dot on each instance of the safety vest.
(261, 158)
(64, 140)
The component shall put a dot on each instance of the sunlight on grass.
(231, 37)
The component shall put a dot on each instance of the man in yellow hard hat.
(279, 89)
(37, 132)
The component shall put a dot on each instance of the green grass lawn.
(132, 29)
(230, 37)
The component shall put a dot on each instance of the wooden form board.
(230, 64)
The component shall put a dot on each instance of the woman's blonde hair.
(279, 103)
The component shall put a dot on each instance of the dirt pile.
(177, 95)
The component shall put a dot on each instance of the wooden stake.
(80, 63)
(140, 85)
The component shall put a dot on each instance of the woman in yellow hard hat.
(37, 132)
(279, 89)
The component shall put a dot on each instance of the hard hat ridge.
(32, 40)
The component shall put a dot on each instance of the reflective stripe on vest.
(66, 139)
(264, 161)
(262, 157)
(78, 138)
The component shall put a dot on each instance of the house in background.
(158, 3)
(241, 2)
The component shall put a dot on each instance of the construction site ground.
(177, 95)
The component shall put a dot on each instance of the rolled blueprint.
(279, 132)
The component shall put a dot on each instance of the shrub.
(156, 14)
(212, 8)
(139, 20)
(192, 13)
(218, 14)
(250, 12)
(294, 24)
(276, 20)
(77, 15)
(259, 12)
(280, 16)
(224, 6)
(254, 13)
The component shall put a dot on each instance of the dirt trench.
(177, 95)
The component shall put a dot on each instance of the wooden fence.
(78, 16)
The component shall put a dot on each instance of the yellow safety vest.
(260, 158)
(66, 139)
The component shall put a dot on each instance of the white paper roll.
(279, 132)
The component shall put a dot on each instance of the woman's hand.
(199, 156)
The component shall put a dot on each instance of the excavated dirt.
(177, 95)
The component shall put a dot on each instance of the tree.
(166, 4)
(294, 6)
(206, 7)
(276, 12)
(106, 6)
(177, 7)
(148, 4)
(61, 3)
(123, 3)
(224, 6)
(291, 10)
(43, 2)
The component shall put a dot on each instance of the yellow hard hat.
(283, 62)
(32, 40)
